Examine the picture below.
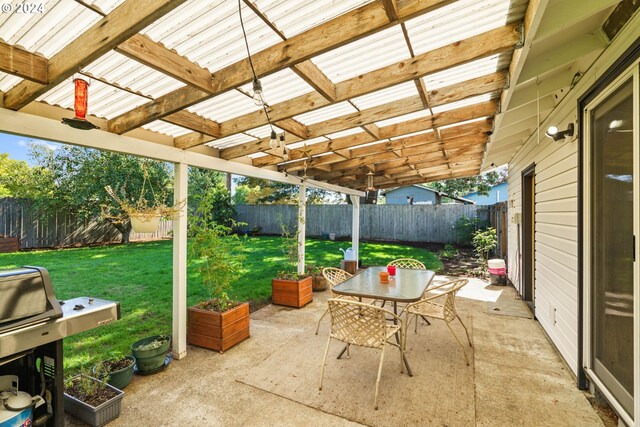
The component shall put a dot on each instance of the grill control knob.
(78, 307)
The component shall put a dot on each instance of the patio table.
(407, 286)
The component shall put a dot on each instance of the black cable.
(253, 70)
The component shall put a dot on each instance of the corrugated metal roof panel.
(460, 20)
(307, 142)
(384, 96)
(225, 107)
(280, 86)
(114, 67)
(209, 32)
(463, 103)
(167, 128)
(232, 140)
(404, 118)
(263, 131)
(346, 132)
(467, 71)
(367, 54)
(46, 33)
(7, 81)
(295, 16)
(326, 113)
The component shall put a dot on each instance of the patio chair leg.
(324, 362)
(378, 379)
(464, 351)
(348, 354)
(465, 330)
(416, 328)
(426, 320)
(320, 320)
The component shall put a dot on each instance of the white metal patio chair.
(445, 310)
(334, 277)
(365, 325)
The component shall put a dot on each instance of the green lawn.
(139, 276)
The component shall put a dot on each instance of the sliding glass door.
(611, 213)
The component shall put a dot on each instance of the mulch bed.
(465, 263)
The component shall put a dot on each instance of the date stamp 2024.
(22, 8)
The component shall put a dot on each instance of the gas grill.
(33, 324)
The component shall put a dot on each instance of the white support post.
(180, 262)
(355, 226)
(302, 219)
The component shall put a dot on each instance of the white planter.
(332, 236)
(145, 223)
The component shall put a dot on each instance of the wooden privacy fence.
(18, 218)
(497, 216)
(409, 223)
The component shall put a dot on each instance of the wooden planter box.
(292, 293)
(218, 331)
(9, 244)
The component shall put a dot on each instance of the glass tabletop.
(407, 286)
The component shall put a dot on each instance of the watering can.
(349, 254)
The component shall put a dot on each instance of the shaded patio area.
(515, 376)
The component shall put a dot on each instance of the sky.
(18, 146)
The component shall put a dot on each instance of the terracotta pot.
(292, 293)
(218, 331)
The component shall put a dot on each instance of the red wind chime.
(80, 105)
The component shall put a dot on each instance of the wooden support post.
(355, 226)
(302, 218)
(180, 263)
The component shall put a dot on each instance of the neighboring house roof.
(439, 193)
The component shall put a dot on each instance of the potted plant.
(150, 353)
(92, 400)
(290, 288)
(217, 254)
(319, 282)
(118, 369)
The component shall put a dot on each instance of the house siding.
(556, 211)
(398, 196)
(497, 194)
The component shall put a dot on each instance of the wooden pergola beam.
(455, 92)
(391, 7)
(430, 62)
(122, 23)
(346, 28)
(195, 122)
(416, 125)
(294, 127)
(310, 73)
(142, 49)
(22, 63)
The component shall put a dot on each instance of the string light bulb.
(282, 140)
(370, 186)
(257, 92)
(273, 142)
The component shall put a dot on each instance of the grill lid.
(26, 297)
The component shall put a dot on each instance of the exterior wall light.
(557, 135)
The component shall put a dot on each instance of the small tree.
(217, 254)
(484, 241)
(289, 247)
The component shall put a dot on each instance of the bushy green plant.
(216, 253)
(467, 227)
(484, 241)
(449, 251)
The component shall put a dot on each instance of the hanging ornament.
(80, 105)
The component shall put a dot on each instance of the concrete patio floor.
(515, 377)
